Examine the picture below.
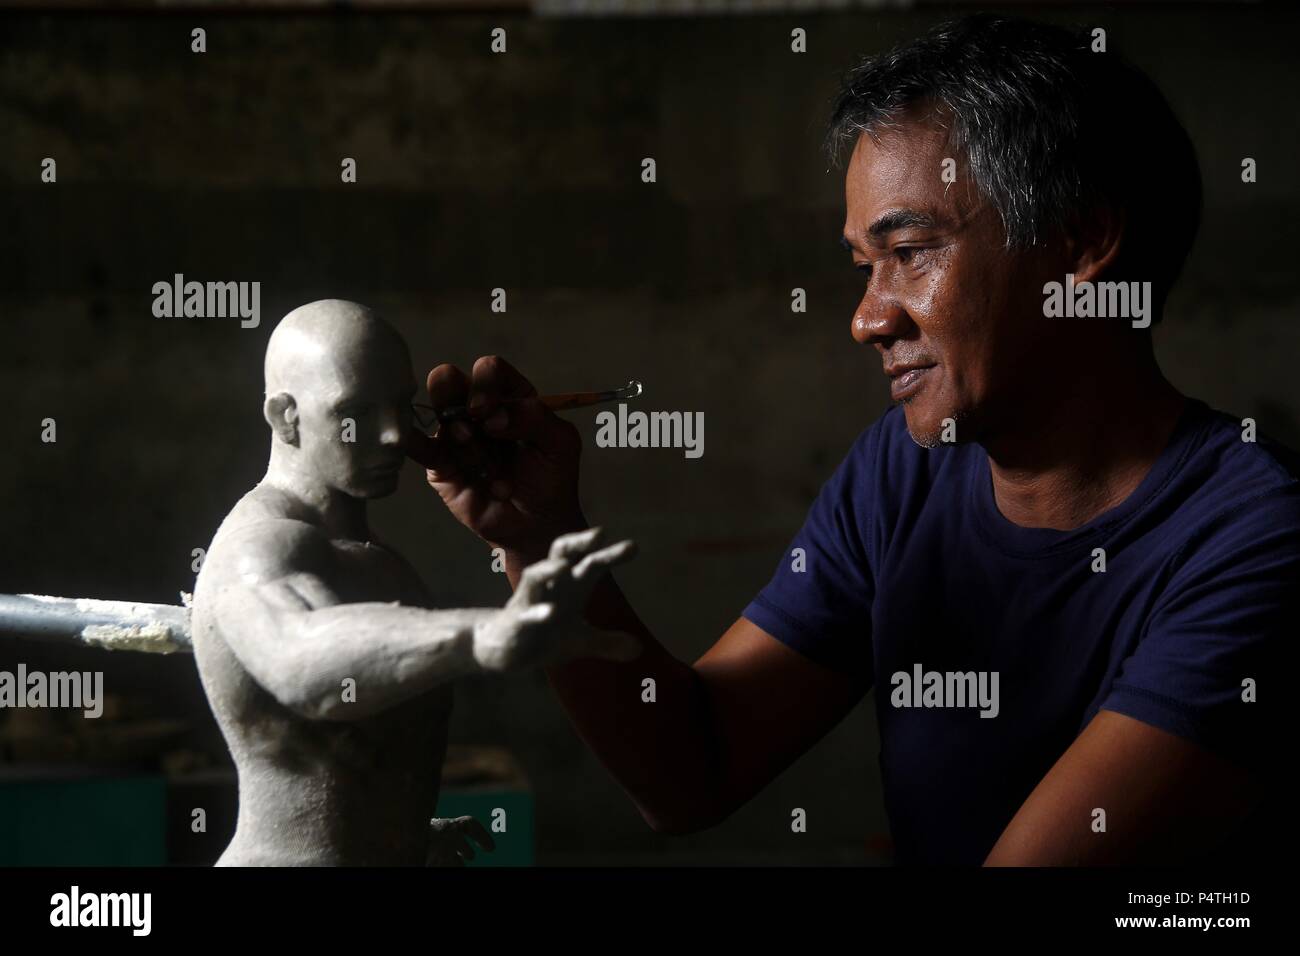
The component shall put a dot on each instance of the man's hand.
(449, 841)
(542, 623)
(510, 475)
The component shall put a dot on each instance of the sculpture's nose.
(392, 427)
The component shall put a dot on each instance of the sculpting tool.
(560, 402)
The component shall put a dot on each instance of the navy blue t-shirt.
(909, 574)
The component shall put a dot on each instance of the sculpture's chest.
(367, 572)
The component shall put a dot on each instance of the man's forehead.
(903, 178)
(902, 155)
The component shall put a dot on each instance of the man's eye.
(907, 254)
(864, 268)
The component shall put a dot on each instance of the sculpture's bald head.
(323, 342)
(338, 393)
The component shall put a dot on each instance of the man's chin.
(927, 426)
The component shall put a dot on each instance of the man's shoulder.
(1238, 472)
(1246, 451)
(1232, 498)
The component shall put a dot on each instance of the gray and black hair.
(1048, 129)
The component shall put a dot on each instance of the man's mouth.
(906, 380)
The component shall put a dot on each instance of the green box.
(515, 845)
(83, 821)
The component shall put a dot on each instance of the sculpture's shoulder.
(265, 535)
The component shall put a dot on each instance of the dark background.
(522, 171)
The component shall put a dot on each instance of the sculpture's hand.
(542, 623)
(449, 840)
(510, 475)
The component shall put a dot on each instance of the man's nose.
(878, 318)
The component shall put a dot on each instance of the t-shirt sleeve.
(818, 601)
(1209, 668)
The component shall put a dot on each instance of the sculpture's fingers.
(576, 544)
(537, 614)
(538, 578)
(464, 850)
(604, 558)
(443, 856)
(472, 828)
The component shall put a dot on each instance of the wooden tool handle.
(573, 400)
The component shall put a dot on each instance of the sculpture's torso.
(321, 792)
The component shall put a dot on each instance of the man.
(329, 676)
(1067, 582)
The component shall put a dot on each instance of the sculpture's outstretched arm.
(298, 640)
(305, 655)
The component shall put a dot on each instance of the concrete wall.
(522, 171)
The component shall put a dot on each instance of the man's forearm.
(660, 747)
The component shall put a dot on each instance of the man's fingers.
(431, 451)
(446, 460)
(575, 544)
(604, 558)
(493, 380)
(529, 420)
(447, 386)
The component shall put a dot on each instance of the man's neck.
(339, 515)
(1065, 461)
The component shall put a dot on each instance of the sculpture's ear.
(281, 413)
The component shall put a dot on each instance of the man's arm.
(299, 642)
(1149, 758)
(1163, 798)
(716, 733)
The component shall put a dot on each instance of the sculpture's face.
(351, 426)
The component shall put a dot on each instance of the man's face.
(943, 297)
(364, 395)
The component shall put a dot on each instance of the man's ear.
(1093, 245)
(281, 413)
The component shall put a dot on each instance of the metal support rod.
(113, 625)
